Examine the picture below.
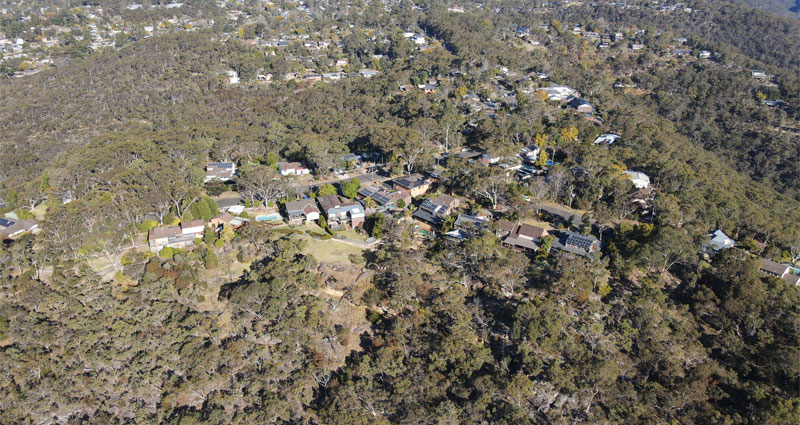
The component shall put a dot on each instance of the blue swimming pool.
(269, 217)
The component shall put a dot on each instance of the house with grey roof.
(577, 244)
(341, 214)
(300, 211)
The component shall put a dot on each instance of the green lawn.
(352, 235)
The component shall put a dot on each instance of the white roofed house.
(558, 93)
(606, 139)
(640, 180)
(222, 171)
(719, 240)
(292, 169)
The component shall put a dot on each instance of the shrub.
(167, 252)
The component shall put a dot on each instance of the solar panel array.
(580, 241)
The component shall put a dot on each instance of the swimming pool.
(268, 217)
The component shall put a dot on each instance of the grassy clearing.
(535, 222)
(328, 251)
(352, 235)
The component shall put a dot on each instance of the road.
(563, 212)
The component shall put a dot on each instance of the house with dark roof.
(303, 210)
(431, 213)
(417, 184)
(383, 196)
(575, 243)
(580, 105)
(341, 214)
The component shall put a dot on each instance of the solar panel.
(4, 222)
(579, 241)
(221, 164)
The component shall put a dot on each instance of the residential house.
(341, 214)
(780, 271)
(431, 213)
(704, 54)
(640, 180)
(581, 105)
(449, 201)
(524, 237)
(642, 198)
(758, 75)
(223, 171)
(467, 226)
(637, 46)
(220, 220)
(383, 196)
(159, 237)
(719, 240)
(417, 184)
(194, 227)
(606, 139)
(10, 228)
(292, 169)
(575, 243)
(559, 93)
(303, 210)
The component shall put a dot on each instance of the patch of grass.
(328, 251)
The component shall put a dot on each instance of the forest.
(279, 324)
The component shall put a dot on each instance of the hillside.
(789, 8)
(511, 213)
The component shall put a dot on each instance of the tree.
(350, 189)
(489, 184)
(262, 182)
(326, 189)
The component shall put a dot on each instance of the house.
(419, 40)
(10, 228)
(606, 139)
(758, 75)
(559, 93)
(640, 180)
(159, 237)
(341, 214)
(223, 171)
(220, 220)
(642, 198)
(449, 201)
(194, 227)
(431, 213)
(575, 243)
(772, 268)
(467, 227)
(524, 237)
(292, 169)
(719, 240)
(704, 54)
(580, 105)
(384, 197)
(417, 184)
(368, 73)
(302, 210)
(504, 227)
(637, 46)
(233, 77)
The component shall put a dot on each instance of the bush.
(167, 252)
(147, 225)
(219, 243)
(244, 214)
(401, 203)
